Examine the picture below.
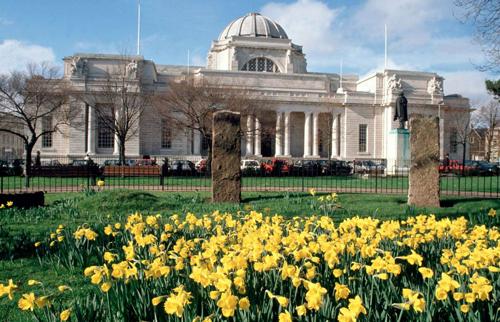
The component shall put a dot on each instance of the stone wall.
(424, 171)
(226, 156)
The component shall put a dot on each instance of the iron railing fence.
(377, 176)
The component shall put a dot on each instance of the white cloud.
(411, 21)
(4, 21)
(467, 83)
(197, 60)
(14, 54)
(308, 23)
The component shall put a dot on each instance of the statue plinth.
(398, 152)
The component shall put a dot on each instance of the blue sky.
(424, 35)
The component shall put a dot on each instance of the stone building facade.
(255, 51)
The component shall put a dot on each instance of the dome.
(253, 25)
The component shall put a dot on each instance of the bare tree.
(459, 123)
(484, 16)
(488, 116)
(119, 100)
(33, 103)
(189, 103)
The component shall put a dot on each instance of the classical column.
(249, 137)
(91, 132)
(287, 134)
(315, 135)
(307, 135)
(278, 151)
(117, 119)
(197, 143)
(335, 136)
(257, 149)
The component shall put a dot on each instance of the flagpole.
(139, 31)
(385, 46)
(341, 74)
(188, 61)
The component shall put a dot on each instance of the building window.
(453, 142)
(166, 135)
(362, 137)
(321, 144)
(47, 137)
(105, 137)
(261, 65)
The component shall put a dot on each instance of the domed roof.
(253, 25)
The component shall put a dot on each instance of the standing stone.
(226, 156)
(424, 171)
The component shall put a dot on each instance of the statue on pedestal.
(401, 110)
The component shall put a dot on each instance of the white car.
(249, 164)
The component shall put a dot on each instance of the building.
(495, 146)
(256, 51)
(477, 147)
(11, 146)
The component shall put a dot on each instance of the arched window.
(261, 65)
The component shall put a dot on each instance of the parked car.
(453, 166)
(142, 162)
(368, 166)
(275, 166)
(311, 167)
(201, 165)
(249, 167)
(50, 163)
(496, 166)
(249, 164)
(335, 167)
(111, 162)
(181, 166)
(481, 167)
(79, 163)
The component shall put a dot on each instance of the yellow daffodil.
(244, 304)
(27, 302)
(65, 314)
(426, 272)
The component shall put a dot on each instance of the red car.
(276, 165)
(454, 166)
(201, 166)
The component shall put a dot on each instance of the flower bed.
(250, 267)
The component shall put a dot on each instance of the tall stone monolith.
(226, 156)
(424, 170)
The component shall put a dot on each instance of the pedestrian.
(38, 162)
(446, 163)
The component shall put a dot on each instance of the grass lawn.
(19, 229)
(74, 208)
(476, 184)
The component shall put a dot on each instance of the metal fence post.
(302, 179)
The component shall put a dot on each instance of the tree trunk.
(463, 160)
(27, 165)
(121, 147)
(209, 158)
